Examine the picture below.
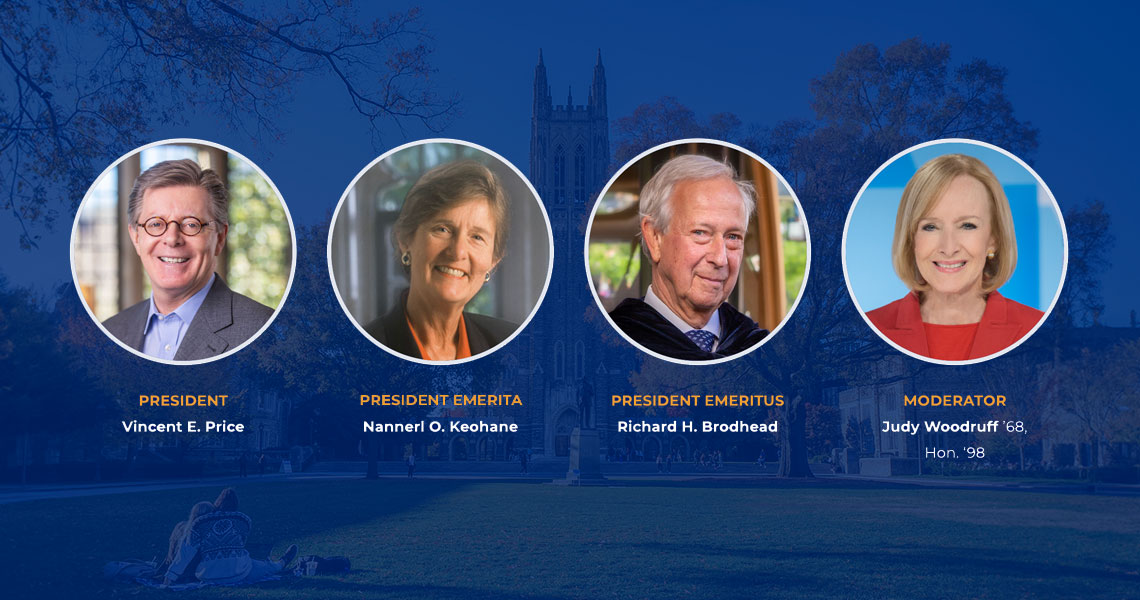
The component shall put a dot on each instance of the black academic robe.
(647, 327)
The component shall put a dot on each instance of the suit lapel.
(215, 314)
(398, 335)
(908, 331)
(475, 338)
(995, 331)
(139, 312)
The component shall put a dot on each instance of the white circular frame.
(1064, 261)
(549, 255)
(799, 209)
(288, 219)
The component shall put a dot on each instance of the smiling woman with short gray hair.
(450, 236)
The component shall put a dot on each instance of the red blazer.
(1003, 323)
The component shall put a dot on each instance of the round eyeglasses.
(156, 226)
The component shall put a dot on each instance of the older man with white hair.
(694, 215)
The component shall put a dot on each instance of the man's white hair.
(656, 203)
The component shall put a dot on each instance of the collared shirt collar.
(186, 310)
(713, 326)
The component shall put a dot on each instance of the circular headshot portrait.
(440, 251)
(183, 251)
(954, 251)
(697, 251)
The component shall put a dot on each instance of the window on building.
(580, 175)
(559, 173)
(97, 249)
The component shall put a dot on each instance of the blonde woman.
(954, 246)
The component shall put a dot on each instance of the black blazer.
(391, 330)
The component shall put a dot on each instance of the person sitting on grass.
(211, 548)
(227, 501)
(180, 530)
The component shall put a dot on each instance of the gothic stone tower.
(569, 164)
(569, 145)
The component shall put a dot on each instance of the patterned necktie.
(701, 338)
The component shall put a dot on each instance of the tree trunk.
(793, 456)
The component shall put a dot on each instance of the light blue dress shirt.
(163, 333)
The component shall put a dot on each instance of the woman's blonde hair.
(918, 199)
(182, 529)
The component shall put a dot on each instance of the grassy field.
(473, 540)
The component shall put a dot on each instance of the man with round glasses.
(178, 220)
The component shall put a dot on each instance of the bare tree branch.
(67, 106)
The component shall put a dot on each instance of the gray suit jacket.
(225, 320)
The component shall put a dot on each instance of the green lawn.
(448, 539)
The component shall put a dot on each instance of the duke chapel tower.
(569, 145)
(569, 164)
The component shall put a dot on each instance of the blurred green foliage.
(259, 243)
(614, 265)
(795, 261)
